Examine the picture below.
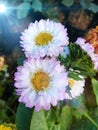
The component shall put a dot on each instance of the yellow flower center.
(40, 80)
(71, 82)
(43, 38)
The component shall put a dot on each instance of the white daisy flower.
(76, 87)
(41, 83)
(88, 48)
(44, 38)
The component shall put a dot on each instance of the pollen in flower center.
(71, 82)
(40, 80)
(43, 38)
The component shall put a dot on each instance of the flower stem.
(56, 116)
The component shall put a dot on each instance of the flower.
(44, 38)
(76, 87)
(7, 127)
(41, 82)
(88, 48)
(92, 38)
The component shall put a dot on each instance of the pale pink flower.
(41, 83)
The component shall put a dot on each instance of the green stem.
(56, 117)
(90, 119)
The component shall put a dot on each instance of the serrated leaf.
(37, 5)
(66, 117)
(68, 3)
(23, 10)
(38, 121)
(23, 117)
(95, 88)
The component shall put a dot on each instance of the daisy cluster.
(42, 81)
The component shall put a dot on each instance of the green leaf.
(95, 88)
(27, 0)
(38, 121)
(78, 102)
(91, 120)
(77, 114)
(85, 123)
(93, 8)
(66, 117)
(23, 10)
(78, 105)
(85, 3)
(37, 5)
(68, 3)
(23, 117)
(96, 112)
